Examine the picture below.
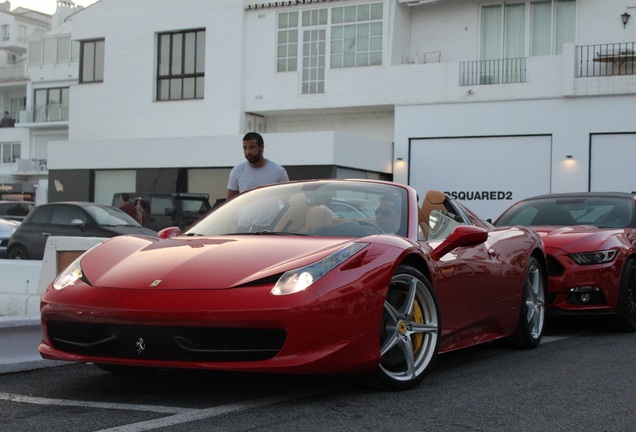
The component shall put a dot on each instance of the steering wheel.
(371, 225)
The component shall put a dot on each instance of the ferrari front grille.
(166, 343)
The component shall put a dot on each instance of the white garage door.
(486, 174)
(613, 158)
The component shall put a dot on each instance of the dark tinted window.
(41, 214)
(64, 214)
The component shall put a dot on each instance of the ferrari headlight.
(69, 276)
(300, 279)
(597, 257)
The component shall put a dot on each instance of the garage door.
(487, 174)
(612, 161)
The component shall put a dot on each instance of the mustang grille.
(166, 343)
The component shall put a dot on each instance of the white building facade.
(490, 101)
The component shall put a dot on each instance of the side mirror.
(78, 223)
(462, 236)
(169, 232)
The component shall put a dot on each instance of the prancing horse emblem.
(155, 283)
(140, 345)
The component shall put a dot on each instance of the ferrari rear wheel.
(409, 332)
(626, 317)
(532, 315)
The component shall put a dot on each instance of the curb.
(19, 339)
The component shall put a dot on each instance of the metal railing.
(54, 112)
(13, 73)
(606, 59)
(29, 165)
(499, 71)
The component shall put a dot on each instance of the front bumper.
(577, 289)
(242, 329)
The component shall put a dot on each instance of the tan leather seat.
(434, 200)
(317, 217)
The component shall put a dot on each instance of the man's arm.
(231, 194)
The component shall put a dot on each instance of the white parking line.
(205, 413)
(179, 415)
(101, 405)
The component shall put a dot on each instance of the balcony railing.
(26, 166)
(13, 73)
(45, 113)
(606, 59)
(500, 71)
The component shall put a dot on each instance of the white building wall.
(123, 106)
(241, 77)
(570, 121)
(308, 148)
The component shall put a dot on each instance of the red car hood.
(571, 239)
(198, 262)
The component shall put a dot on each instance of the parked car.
(75, 219)
(590, 239)
(271, 281)
(170, 209)
(15, 210)
(7, 228)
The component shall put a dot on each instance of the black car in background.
(170, 209)
(71, 219)
(15, 210)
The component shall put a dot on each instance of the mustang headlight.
(69, 276)
(597, 257)
(300, 279)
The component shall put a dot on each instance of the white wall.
(19, 287)
(489, 186)
(611, 154)
(123, 105)
(570, 122)
(319, 148)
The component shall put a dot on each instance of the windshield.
(311, 208)
(110, 216)
(603, 212)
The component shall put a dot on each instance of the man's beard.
(254, 159)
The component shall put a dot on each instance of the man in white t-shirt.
(256, 170)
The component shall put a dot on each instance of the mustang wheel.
(626, 317)
(532, 316)
(409, 332)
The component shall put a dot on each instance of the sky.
(46, 6)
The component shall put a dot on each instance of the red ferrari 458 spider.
(590, 239)
(298, 277)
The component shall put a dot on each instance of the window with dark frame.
(51, 104)
(92, 61)
(180, 65)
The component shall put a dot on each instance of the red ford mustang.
(590, 239)
(280, 279)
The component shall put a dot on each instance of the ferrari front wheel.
(409, 331)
